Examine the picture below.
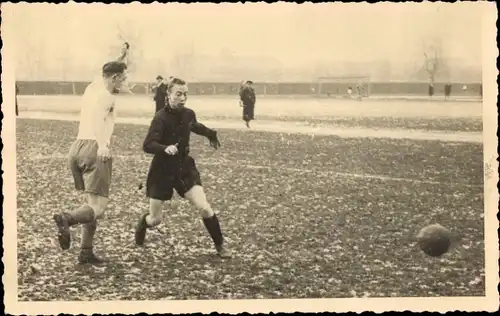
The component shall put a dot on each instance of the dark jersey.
(170, 127)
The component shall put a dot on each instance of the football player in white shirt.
(90, 159)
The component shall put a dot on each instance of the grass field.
(306, 216)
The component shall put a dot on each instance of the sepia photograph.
(250, 157)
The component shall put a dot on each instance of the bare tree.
(432, 62)
(434, 59)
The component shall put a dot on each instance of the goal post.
(339, 85)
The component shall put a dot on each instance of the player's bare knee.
(198, 198)
(98, 203)
(155, 216)
(98, 211)
(207, 212)
(204, 207)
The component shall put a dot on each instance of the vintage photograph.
(277, 153)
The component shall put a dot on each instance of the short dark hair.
(113, 67)
(249, 82)
(159, 77)
(127, 44)
(175, 81)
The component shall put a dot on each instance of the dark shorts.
(90, 174)
(163, 178)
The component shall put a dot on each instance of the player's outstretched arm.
(152, 143)
(124, 52)
(202, 130)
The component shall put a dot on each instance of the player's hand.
(214, 142)
(172, 150)
(125, 49)
(103, 153)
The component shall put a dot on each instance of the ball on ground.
(434, 240)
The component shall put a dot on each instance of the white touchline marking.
(343, 174)
(244, 164)
(298, 128)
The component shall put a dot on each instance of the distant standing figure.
(447, 91)
(431, 90)
(247, 101)
(349, 92)
(160, 93)
(359, 88)
(17, 109)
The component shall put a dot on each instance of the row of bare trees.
(181, 63)
(434, 63)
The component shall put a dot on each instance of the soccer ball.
(434, 240)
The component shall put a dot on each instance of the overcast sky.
(294, 34)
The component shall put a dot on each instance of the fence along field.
(320, 88)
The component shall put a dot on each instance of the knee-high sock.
(213, 228)
(88, 232)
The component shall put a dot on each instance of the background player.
(90, 159)
(247, 100)
(160, 91)
(172, 168)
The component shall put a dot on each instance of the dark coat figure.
(17, 109)
(447, 91)
(160, 94)
(431, 90)
(247, 97)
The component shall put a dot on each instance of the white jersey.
(98, 113)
